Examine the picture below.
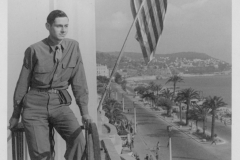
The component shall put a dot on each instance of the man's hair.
(54, 14)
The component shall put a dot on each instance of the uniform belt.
(49, 90)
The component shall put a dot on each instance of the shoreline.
(141, 78)
(135, 81)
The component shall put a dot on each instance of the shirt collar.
(53, 47)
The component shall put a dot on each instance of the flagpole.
(118, 59)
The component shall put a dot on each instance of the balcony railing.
(20, 150)
(109, 149)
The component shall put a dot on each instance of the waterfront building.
(102, 70)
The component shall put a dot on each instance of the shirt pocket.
(67, 70)
(42, 74)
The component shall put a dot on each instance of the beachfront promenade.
(152, 128)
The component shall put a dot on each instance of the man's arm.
(22, 87)
(79, 85)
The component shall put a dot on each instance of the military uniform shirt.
(39, 69)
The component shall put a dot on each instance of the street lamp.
(169, 129)
(135, 119)
(122, 102)
(116, 96)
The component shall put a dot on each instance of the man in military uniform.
(49, 67)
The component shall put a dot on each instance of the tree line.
(159, 96)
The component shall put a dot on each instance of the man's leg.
(35, 121)
(68, 127)
(37, 135)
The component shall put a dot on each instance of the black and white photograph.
(120, 80)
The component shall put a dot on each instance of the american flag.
(149, 24)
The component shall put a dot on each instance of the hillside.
(187, 55)
(181, 62)
(138, 56)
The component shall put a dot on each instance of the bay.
(209, 85)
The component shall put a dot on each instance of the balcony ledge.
(110, 140)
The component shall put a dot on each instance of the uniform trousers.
(43, 109)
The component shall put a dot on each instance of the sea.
(218, 85)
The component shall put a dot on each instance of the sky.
(190, 25)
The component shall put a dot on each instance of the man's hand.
(85, 118)
(13, 122)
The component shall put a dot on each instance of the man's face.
(59, 29)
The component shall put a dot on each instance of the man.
(132, 141)
(146, 158)
(158, 145)
(150, 158)
(214, 139)
(131, 129)
(158, 150)
(49, 67)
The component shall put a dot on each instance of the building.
(102, 70)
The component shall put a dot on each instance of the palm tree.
(187, 95)
(109, 92)
(174, 79)
(179, 99)
(140, 90)
(102, 82)
(214, 103)
(149, 96)
(167, 94)
(113, 111)
(102, 79)
(155, 87)
(158, 88)
(124, 85)
(151, 85)
(100, 88)
(166, 103)
(121, 125)
(194, 115)
(200, 112)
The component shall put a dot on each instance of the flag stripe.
(147, 29)
(145, 42)
(151, 14)
(133, 8)
(144, 51)
(143, 47)
(165, 5)
(163, 9)
(149, 24)
(141, 32)
(160, 17)
(156, 17)
(141, 27)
